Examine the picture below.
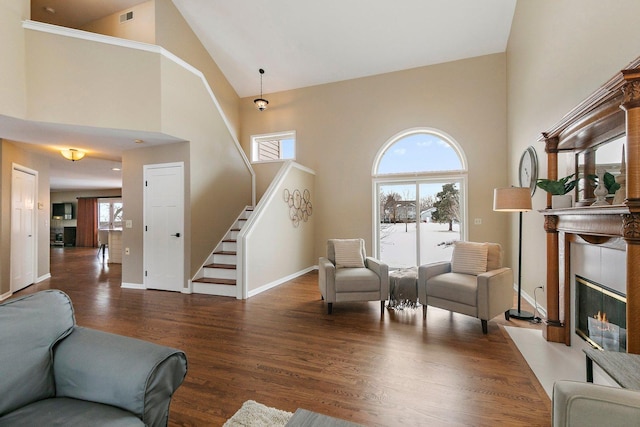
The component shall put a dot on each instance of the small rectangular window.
(273, 147)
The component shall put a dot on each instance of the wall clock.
(528, 170)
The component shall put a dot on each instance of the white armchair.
(474, 283)
(348, 274)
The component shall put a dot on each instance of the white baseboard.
(126, 285)
(280, 281)
(44, 277)
(541, 311)
(5, 296)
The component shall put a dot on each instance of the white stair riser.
(224, 259)
(229, 246)
(240, 224)
(219, 273)
(233, 235)
(246, 214)
(213, 289)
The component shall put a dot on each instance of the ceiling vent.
(126, 17)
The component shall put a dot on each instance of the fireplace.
(600, 315)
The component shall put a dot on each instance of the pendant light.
(261, 103)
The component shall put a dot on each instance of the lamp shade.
(512, 199)
(72, 154)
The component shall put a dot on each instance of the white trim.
(43, 277)
(280, 281)
(418, 177)
(418, 130)
(115, 41)
(5, 295)
(125, 285)
(542, 312)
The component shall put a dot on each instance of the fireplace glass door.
(601, 315)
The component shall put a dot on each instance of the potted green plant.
(559, 190)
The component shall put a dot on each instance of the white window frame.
(279, 136)
(378, 180)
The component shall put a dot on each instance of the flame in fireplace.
(602, 317)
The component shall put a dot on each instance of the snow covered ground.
(398, 243)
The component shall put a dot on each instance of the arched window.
(419, 179)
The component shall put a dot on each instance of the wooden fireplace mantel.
(611, 111)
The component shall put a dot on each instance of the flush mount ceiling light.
(261, 103)
(72, 154)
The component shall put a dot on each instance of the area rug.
(254, 414)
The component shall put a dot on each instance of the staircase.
(218, 276)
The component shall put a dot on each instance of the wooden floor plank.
(281, 349)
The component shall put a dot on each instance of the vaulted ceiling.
(301, 43)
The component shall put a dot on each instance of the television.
(62, 211)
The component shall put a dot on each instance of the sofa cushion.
(357, 280)
(31, 326)
(69, 412)
(349, 253)
(454, 287)
(469, 258)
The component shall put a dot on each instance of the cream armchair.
(348, 274)
(585, 404)
(474, 283)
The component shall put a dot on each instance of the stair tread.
(216, 281)
(229, 241)
(225, 253)
(219, 265)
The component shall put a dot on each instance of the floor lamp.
(515, 199)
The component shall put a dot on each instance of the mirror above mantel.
(607, 156)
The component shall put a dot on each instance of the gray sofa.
(55, 373)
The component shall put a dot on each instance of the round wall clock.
(528, 170)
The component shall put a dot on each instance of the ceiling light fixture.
(72, 154)
(261, 103)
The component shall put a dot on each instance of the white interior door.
(164, 227)
(23, 236)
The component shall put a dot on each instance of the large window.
(419, 185)
(109, 213)
(273, 147)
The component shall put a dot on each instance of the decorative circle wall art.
(299, 205)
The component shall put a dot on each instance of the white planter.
(561, 201)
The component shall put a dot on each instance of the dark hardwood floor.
(280, 348)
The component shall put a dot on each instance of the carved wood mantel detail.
(611, 111)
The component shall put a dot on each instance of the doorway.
(23, 227)
(164, 227)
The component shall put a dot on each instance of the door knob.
(176, 235)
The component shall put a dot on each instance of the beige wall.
(272, 228)
(220, 181)
(559, 52)
(341, 126)
(12, 51)
(133, 162)
(174, 34)
(141, 28)
(9, 154)
(107, 86)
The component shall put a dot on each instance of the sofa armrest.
(382, 270)
(426, 272)
(327, 279)
(582, 404)
(128, 373)
(495, 292)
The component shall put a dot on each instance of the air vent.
(126, 17)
